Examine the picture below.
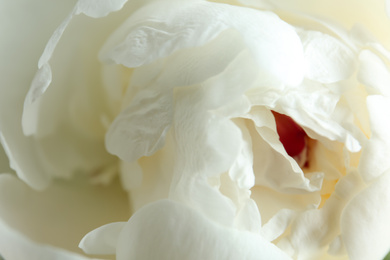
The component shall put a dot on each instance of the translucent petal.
(159, 29)
(103, 240)
(365, 221)
(181, 232)
(140, 129)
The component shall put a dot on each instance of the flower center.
(291, 135)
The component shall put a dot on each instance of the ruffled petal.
(180, 232)
(313, 230)
(140, 128)
(272, 165)
(365, 224)
(159, 29)
(208, 144)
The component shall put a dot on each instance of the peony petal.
(208, 144)
(103, 240)
(375, 157)
(31, 22)
(365, 224)
(62, 214)
(374, 73)
(278, 224)
(141, 127)
(329, 60)
(273, 167)
(159, 29)
(180, 232)
(15, 246)
(69, 114)
(98, 8)
(313, 230)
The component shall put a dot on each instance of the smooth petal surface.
(159, 29)
(103, 240)
(62, 214)
(91, 8)
(181, 232)
(69, 113)
(21, 22)
(375, 157)
(15, 246)
(329, 60)
(365, 226)
(4, 161)
(374, 73)
(374, 17)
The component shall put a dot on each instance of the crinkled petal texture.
(181, 232)
(163, 27)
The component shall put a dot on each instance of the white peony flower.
(189, 129)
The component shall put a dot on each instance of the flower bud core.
(291, 135)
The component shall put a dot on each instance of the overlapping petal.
(180, 232)
(365, 221)
(158, 30)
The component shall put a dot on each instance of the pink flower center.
(291, 135)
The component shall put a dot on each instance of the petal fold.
(103, 240)
(365, 224)
(159, 29)
(180, 232)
